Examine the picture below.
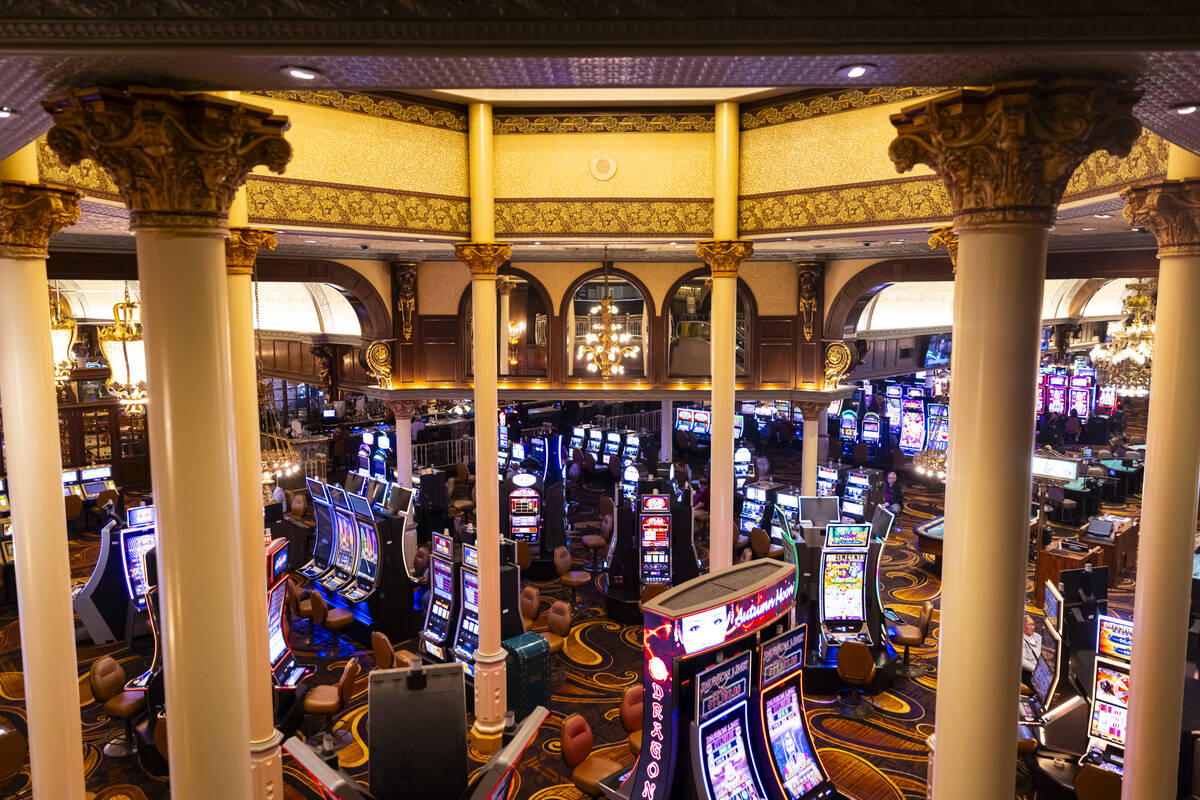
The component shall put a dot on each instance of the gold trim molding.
(911, 200)
(604, 122)
(681, 217)
(777, 112)
(373, 106)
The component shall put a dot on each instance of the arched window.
(615, 298)
(689, 328)
(522, 338)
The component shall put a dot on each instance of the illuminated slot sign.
(653, 503)
(1114, 638)
(443, 546)
(683, 419)
(470, 556)
(722, 686)
(827, 474)
(783, 655)
(701, 422)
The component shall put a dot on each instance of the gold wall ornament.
(682, 217)
(483, 258)
(372, 106)
(603, 122)
(1006, 152)
(377, 356)
(945, 238)
(1171, 211)
(176, 159)
(62, 336)
(838, 361)
(242, 246)
(406, 297)
(724, 256)
(780, 110)
(809, 274)
(30, 213)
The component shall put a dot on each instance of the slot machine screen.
(577, 438)
(656, 531)
(69, 476)
(470, 556)
(594, 439)
(912, 426)
(1108, 396)
(359, 504)
(279, 564)
(870, 429)
(726, 762)
(738, 422)
(95, 474)
(539, 451)
(316, 489)
(939, 427)
(470, 585)
(827, 479)
(847, 536)
(629, 483)
(612, 444)
(401, 498)
(343, 541)
(1081, 402)
(1051, 605)
(443, 546)
(843, 579)
(1043, 679)
(701, 422)
(633, 447)
(368, 550)
(1110, 702)
(518, 452)
(849, 426)
(892, 407)
(524, 508)
(276, 643)
(338, 497)
(798, 768)
(136, 547)
(443, 578)
(1114, 638)
(683, 419)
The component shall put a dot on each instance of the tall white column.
(178, 161)
(809, 444)
(403, 409)
(666, 433)
(1171, 210)
(1022, 140)
(29, 214)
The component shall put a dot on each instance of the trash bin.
(528, 662)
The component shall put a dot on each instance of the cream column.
(1171, 211)
(241, 250)
(484, 256)
(29, 214)
(809, 445)
(403, 409)
(666, 432)
(723, 254)
(178, 161)
(505, 287)
(1022, 141)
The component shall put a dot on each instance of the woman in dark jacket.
(893, 494)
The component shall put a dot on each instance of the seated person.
(893, 494)
(1031, 648)
(700, 498)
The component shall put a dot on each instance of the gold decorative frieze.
(604, 122)
(1171, 211)
(30, 213)
(683, 217)
(724, 256)
(1006, 153)
(1103, 173)
(286, 201)
(910, 200)
(87, 176)
(784, 110)
(375, 106)
(242, 246)
(177, 159)
(483, 258)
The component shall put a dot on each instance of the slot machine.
(739, 427)
(442, 613)
(365, 451)
(466, 629)
(632, 450)
(595, 442)
(285, 672)
(1039, 394)
(94, 480)
(70, 483)
(912, 422)
(698, 684)
(1056, 394)
(628, 489)
(828, 479)
(109, 604)
(893, 406)
(521, 511)
(1110, 695)
(702, 425)
(365, 574)
(787, 505)
(758, 505)
(383, 456)
(502, 429)
(654, 536)
(1081, 396)
(502, 458)
(743, 466)
(939, 427)
(683, 420)
(856, 494)
(843, 593)
(578, 438)
(1107, 398)
(322, 551)
(872, 433)
(848, 431)
(612, 447)
(537, 451)
(345, 549)
(139, 541)
(5, 510)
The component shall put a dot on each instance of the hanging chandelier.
(607, 345)
(277, 455)
(125, 352)
(515, 331)
(62, 336)
(1123, 362)
(931, 463)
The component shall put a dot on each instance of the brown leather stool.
(531, 606)
(331, 699)
(569, 577)
(587, 770)
(631, 717)
(595, 543)
(914, 636)
(331, 619)
(855, 666)
(300, 605)
(107, 680)
(14, 752)
(1097, 783)
(386, 656)
(559, 620)
(760, 544)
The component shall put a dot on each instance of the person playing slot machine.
(893, 494)
(1031, 647)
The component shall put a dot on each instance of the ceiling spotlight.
(789, 238)
(1087, 229)
(420, 240)
(896, 241)
(310, 241)
(673, 243)
(7, 111)
(1185, 108)
(300, 73)
(1102, 216)
(537, 244)
(855, 71)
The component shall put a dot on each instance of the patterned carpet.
(883, 758)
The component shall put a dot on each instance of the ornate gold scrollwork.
(838, 361)
(378, 358)
(944, 237)
(242, 246)
(406, 298)
(724, 256)
(1171, 211)
(483, 258)
(30, 213)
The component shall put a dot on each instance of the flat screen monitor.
(69, 476)
(368, 550)
(443, 578)
(847, 536)
(140, 516)
(1114, 638)
(1110, 702)
(937, 354)
(443, 546)
(470, 596)
(470, 556)
(727, 761)
(95, 474)
(360, 505)
(328, 413)
(518, 452)
(843, 578)
(799, 770)
(656, 531)
(401, 498)
(1043, 681)
(338, 497)
(276, 643)
(1052, 606)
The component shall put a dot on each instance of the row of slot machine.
(723, 680)
(1060, 393)
(604, 446)
(86, 483)
(376, 455)
(860, 489)
(920, 423)
(851, 431)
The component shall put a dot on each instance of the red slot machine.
(524, 513)
(654, 534)
(1056, 394)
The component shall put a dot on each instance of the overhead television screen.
(937, 354)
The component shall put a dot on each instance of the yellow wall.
(838, 272)
(774, 285)
(440, 285)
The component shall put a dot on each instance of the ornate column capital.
(1006, 152)
(30, 213)
(724, 256)
(483, 258)
(177, 159)
(242, 246)
(1171, 211)
(404, 408)
(505, 285)
(945, 238)
(811, 409)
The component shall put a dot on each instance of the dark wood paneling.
(776, 350)
(887, 357)
(439, 358)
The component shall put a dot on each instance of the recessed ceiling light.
(1102, 216)
(1184, 108)
(896, 241)
(300, 73)
(855, 71)
(789, 238)
(1088, 229)
(673, 243)
(7, 111)
(310, 241)
(420, 240)
(536, 244)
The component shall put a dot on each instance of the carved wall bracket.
(809, 273)
(30, 213)
(406, 296)
(1005, 153)
(242, 246)
(945, 238)
(176, 159)
(377, 358)
(483, 258)
(1171, 211)
(838, 360)
(724, 256)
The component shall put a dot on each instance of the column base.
(266, 768)
(490, 699)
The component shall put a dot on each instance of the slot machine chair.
(330, 700)
(1097, 783)
(14, 752)
(631, 717)
(855, 666)
(558, 619)
(760, 545)
(914, 636)
(107, 681)
(300, 604)
(597, 542)
(587, 770)
(571, 578)
(386, 656)
(74, 509)
(1067, 508)
(463, 475)
(531, 607)
(331, 619)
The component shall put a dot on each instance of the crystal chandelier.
(515, 331)
(1124, 360)
(277, 454)
(125, 352)
(62, 336)
(931, 463)
(607, 345)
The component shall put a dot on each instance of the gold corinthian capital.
(1171, 211)
(177, 160)
(242, 246)
(30, 213)
(1006, 152)
(483, 258)
(724, 256)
